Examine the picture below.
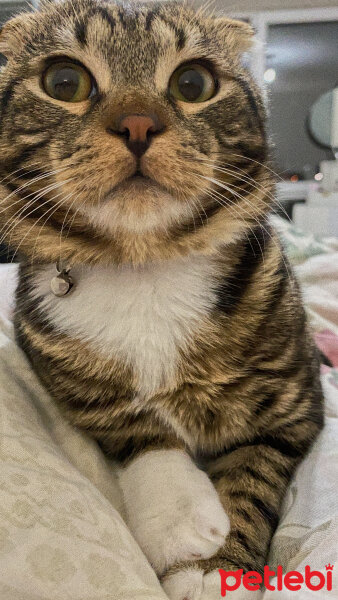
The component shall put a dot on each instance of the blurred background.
(296, 60)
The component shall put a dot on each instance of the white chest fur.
(141, 315)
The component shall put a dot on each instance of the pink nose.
(137, 127)
(138, 131)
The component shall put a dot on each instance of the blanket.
(62, 534)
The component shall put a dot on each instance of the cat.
(135, 176)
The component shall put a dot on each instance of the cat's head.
(128, 131)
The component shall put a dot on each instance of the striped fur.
(185, 330)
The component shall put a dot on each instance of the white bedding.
(61, 533)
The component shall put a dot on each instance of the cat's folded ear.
(238, 35)
(15, 34)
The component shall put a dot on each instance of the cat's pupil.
(65, 83)
(191, 84)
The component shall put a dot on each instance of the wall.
(256, 5)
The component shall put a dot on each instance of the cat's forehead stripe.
(82, 24)
(123, 20)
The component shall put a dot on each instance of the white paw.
(212, 589)
(191, 584)
(172, 508)
(184, 585)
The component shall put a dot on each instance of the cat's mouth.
(138, 180)
(135, 183)
(138, 176)
(138, 173)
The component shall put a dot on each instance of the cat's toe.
(201, 529)
(211, 589)
(173, 510)
(184, 585)
(191, 584)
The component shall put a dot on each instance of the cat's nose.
(138, 131)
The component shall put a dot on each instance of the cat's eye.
(67, 82)
(192, 83)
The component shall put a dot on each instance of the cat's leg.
(172, 508)
(251, 482)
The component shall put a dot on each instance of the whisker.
(244, 199)
(239, 196)
(73, 219)
(34, 195)
(17, 170)
(52, 208)
(258, 163)
(74, 216)
(250, 228)
(223, 202)
(192, 212)
(247, 178)
(56, 206)
(11, 226)
(30, 182)
(79, 208)
(64, 222)
(198, 211)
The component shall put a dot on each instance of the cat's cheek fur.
(172, 508)
(191, 584)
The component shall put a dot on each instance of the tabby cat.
(134, 165)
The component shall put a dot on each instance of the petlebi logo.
(291, 580)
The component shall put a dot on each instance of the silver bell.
(61, 284)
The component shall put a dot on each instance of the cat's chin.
(137, 205)
(136, 184)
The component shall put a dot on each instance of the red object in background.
(327, 342)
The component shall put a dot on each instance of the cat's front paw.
(173, 510)
(192, 584)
